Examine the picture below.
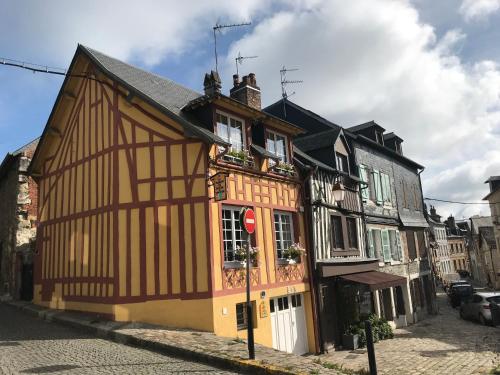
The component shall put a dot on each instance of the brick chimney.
(212, 84)
(246, 91)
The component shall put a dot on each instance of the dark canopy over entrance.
(375, 280)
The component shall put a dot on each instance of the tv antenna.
(284, 83)
(239, 60)
(218, 27)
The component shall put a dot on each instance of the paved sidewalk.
(440, 344)
(192, 345)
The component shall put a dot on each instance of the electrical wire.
(454, 202)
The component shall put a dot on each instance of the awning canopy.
(414, 219)
(375, 280)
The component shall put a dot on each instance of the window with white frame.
(230, 129)
(232, 232)
(283, 228)
(277, 144)
(385, 244)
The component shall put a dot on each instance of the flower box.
(286, 261)
(232, 264)
(242, 158)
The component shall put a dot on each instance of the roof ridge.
(92, 50)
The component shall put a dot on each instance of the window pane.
(281, 147)
(337, 235)
(285, 303)
(280, 304)
(236, 138)
(352, 232)
(241, 316)
(222, 131)
(272, 305)
(283, 232)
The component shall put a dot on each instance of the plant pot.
(232, 264)
(285, 262)
(350, 341)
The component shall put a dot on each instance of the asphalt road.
(29, 345)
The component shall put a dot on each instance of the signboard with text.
(219, 182)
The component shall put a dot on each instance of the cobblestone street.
(442, 344)
(29, 345)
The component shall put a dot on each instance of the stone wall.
(18, 205)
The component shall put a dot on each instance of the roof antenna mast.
(284, 83)
(239, 60)
(218, 27)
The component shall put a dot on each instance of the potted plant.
(241, 157)
(292, 254)
(350, 338)
(284, 168)
(240, 254)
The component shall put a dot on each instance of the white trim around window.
(283, 230)
(285, 157)
(228, 135)
(232, 232)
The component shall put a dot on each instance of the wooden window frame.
(345, 250)
(292, 231)
(287, 145)
(233, 230)
(243, 128)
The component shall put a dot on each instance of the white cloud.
(475, 10)
(145, 30)
(367, 60)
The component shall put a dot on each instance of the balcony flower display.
(294, 253)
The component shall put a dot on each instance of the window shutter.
(387, 188)
(365, 190)
(386, 246)
(398, 243)
(371, 245)
(378, 187)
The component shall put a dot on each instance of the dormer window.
(379, 137)
(277, 144)
(230, 129)
(342, 162)
(398, 147)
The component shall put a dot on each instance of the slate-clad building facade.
(396, 226)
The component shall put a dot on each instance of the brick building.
(18, 204)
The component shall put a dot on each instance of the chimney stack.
(246, 91)
(212, 84)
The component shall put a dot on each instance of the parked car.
(478, 306)
(453, 283)
(458, 293)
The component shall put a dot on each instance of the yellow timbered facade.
(129, 225)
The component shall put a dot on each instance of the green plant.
(240, 253)
(287, 167)
(295, 251)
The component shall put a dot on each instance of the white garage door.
(289, 324)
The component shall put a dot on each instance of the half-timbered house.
(131, 225)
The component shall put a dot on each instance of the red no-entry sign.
(247, 218)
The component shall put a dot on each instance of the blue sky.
(428, 70)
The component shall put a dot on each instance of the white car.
(477, 306)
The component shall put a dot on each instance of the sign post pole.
(247, 220)
(251, 345)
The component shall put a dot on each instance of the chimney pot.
(246, 91)
(236, 80)
(212, 84)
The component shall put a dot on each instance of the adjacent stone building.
(482, 250)
(440, 253)
(18, 205)
(494, 199)
(456, 238)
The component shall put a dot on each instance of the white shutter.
(377, 185)
(386, 245)
(398, 243)
(365, 190)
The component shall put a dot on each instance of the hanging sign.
(219, 182)
(247, 220)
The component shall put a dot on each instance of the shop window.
(230, 129)
(283, 228)
(337, 233)
(352, 233)
(232, 232)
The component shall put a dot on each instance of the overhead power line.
(33, 67)
(454, 202)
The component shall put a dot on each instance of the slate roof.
(392, 135)
(10, 157)
(312, 161)
(326, 138)
(366, 125)
(480, 221)
(165, 94)
(492, 178)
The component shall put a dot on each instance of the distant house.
(494, 199)
(483, 250)
(440, 252)
(457, 246)
(18, 207)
